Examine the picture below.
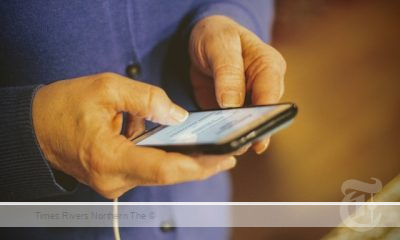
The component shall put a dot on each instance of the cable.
(117, 236)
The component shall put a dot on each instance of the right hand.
(77, 123)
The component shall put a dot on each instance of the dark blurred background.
(344, 73)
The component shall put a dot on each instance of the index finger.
(140, 99)
(265, 70)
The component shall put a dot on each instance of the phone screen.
(211, 127)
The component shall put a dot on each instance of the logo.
(360, 220)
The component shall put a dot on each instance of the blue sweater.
(46, 40)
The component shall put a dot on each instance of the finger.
(267, 87)
(116, 122)
(261, 145)
(265, 69)
(224, 55)
(211, 165)
(157, 167)
(141, 99)
(134, 126)
(242, 150)
(204, 89)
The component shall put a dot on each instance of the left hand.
(228, 61)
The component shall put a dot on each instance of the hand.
(78, 122)
(228, 61)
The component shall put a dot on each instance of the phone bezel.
(264, 128)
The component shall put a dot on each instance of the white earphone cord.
(117, 236)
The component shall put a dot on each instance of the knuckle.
(105, 81)
(224, 31)
(270, 59)
(227, 31)
(227, 69)
(102, 85)
(273, 67)
(108, 75)
(225, 37)
(154, 94)
(278, 59)
(263, 65)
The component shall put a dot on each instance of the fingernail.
(231, 99)
(179, 114)
(261, 149)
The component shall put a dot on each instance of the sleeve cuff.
(240, 13)
(25, 173)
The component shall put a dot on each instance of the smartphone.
(219, 131)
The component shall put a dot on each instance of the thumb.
(224, 55)
(145, 101)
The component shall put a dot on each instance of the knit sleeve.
(256, 15)
(24, 173)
